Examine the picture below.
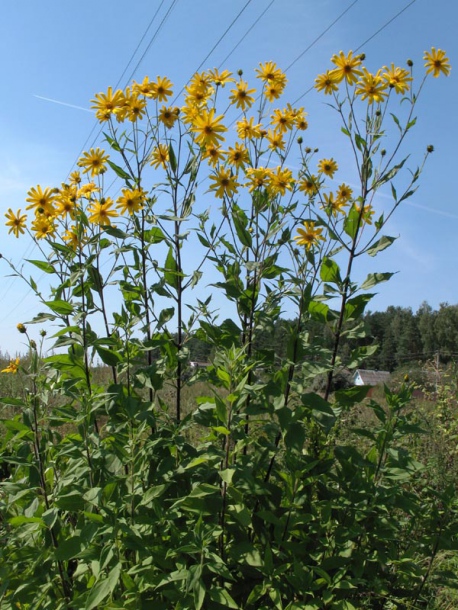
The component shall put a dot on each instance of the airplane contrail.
(48, 99)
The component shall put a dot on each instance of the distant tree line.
(401, 335)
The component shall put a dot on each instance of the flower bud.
(409, 63)
(300, 140)
(430, 148)
(21, 328)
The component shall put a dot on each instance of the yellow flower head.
(397, 78)
(275, 139)
(366, 213)
(94, 161)
(247, 130)
(436, 62)
(344, 193)
(269, 73)
(43, 227)
(283, 120)
(15, 222)
(309, 235)
(224, 183)
(280, 181)
(161, 89)
(105, 104)
(135, 108)
(309, 185)
(208, 128)
(238, 156)
(327, 82)
(220, 78)
(73, 238)
(333, 206)
(131, 201)
(87, 190)
(214, 154)
(258, 177)
(241, 95)
(168, 116)
(13, 367)
(328, 167)
(41, 200)
(159, 156)
(144, 88)
(75, 177)
(372, 87)
(273, 90)
(101, 212)
(347, 67)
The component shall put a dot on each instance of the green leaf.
(42, 265)
(319, 311)
(354, 308)
(120, 172)
(69, 548)
(165, 315)
(380, 245)
(375, 278)
(330, 271)
(62, 308)
(172, 158)
(171, 270)
(222, 597)
(352, 222)
(351, 396)
(103, 588)
(108, 356)
(154, 235)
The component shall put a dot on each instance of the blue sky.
(68, 51)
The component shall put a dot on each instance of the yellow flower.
(280, 181)
(224, 183)
(101, 212)
(258, 177)
(247, 130)
(66, 200)
(144, 88)
(328, 167)
(309, 185)
(105, 104)
(327, 82)
(161, 89)
(309, 235)
(333, 206)
(16, 222)
(366, 214)
(41, 200)
(208, 128)
(283, 120)
(241, 95)
(75, 177)
(87, 189)
(347, 67)
(12, 367)
(344, 192)
(43, 227)
(135, 108)
(397, 78)
(273, 90)
(300, 121)
(159, 156)
(220, 78)
(168, 115)
(131, 200)
(238, 156)
(437, 62)
(189, 113)
(269, 73)
(71, 238)
(371, 87)
(275, 139)
(214, 154)
(94, 161)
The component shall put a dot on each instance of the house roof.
(370, 377)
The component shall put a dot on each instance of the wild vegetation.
(236, 485)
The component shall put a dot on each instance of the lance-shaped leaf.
(120, 172)
(380, 245)
(375, 278)
(42, 265)
(330, 271)
(62, 308)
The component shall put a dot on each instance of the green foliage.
(120, 491)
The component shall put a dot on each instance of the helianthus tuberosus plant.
(122, 494)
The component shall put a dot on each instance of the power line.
(246, 34)
(385, 25)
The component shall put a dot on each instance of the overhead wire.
(385, 25)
